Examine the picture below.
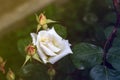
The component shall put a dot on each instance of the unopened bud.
(10, 75)
(1, 59)
(42, 19)
(30, 49)
(51, 72)
(2, 65)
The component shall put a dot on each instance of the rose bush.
(50, 46)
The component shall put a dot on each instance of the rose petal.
(67, 47)
(54, 33)
(57, 40)
(43, 34)
(54, 59)
(63, 53)
(47, 50)
(53, 48)
(41, 54)
(34, 38)
(58, 43)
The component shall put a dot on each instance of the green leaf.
(34, 71)
(37, 18)
(38, 27)
(114, 52)
(118, 33)
(99, 35)
(67, 63)
(27, 59)
(86, 55)
(108, 31)
(110, 18)
(100, 72)
(36, 57)
(50, 21)
(22, 43)
(60, 30)
(63, 68)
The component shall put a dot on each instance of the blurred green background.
(85, 21)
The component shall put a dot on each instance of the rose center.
(48, 46)
(45, 40)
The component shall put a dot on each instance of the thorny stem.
(110, 39)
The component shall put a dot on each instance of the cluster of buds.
(47, 46)
(30, 49)
(10, 75)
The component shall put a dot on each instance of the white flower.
(50, 46)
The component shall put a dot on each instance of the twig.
(110, 39)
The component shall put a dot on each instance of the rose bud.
(30, 49)
(51, 72)
(1, 59)
(2, 65)
(10, 75)
(42, 19)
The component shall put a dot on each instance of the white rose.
(50, 46)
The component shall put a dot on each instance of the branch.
(112, 36)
